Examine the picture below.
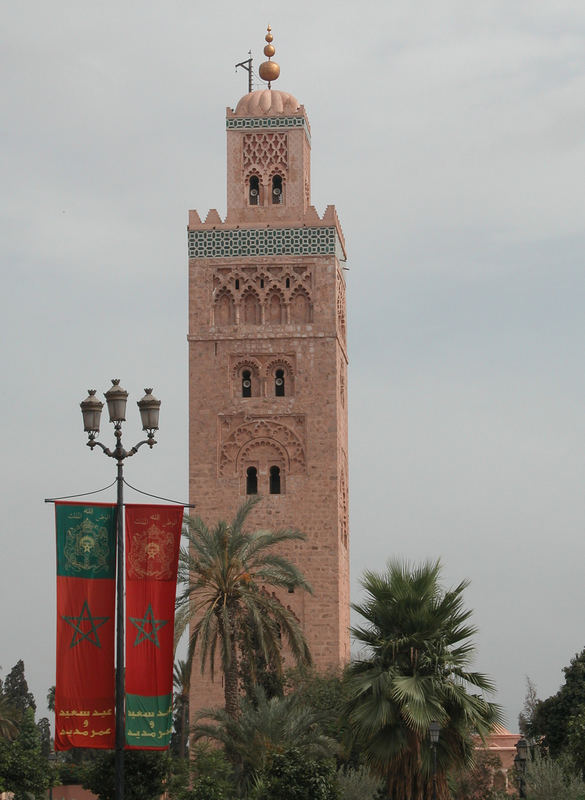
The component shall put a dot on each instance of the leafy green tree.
(555, 720)
(207, 775)
(44, 729)
(223, 575)
(15, 689)
(264, 727)
(415, 670)
(293, 776)
(23, 770)
(145, 775)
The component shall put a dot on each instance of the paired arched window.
(279, 388)
(277, 189)
(254, 190)
(251, 480)
(274, 480)
(246, 383)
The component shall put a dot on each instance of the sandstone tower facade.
(268, 363)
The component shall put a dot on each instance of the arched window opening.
(288, 283)
(254, 191)
(277, 189)
(251, 480)
(246, 385)
(274, 480)
(279, 383)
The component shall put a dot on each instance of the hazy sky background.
(450, 136)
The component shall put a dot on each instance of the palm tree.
(225, 574)
(264, 727)
(182, 683)
(415, 671)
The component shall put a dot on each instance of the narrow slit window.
(279, 383)
(288, 283)
(254, 190)
(251, 480)
(246, 383)
(274, 480)
(277, 189)
(237, 283)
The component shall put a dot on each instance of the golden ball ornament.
(269, 71)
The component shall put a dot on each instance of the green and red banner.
(153, 536)
(86, 596)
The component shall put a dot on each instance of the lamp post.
(520, 760)
(91, 409)
(434, 731)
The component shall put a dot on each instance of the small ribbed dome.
(265, 102)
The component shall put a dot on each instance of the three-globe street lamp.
(434, 731)
(91, 409)
(520, 760)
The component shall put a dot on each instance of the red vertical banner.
(86, 598)
(153, 535)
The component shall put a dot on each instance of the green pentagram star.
(140, 624)
(91, 634)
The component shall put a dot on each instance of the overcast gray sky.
(450, 136)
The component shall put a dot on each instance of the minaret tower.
(268, 360)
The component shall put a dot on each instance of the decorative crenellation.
(264, 242)
(260, 295)
(281, 437)
(265, 153)
(245, 123)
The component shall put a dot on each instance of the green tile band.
(264, 242)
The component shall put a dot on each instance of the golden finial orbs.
(269, 70)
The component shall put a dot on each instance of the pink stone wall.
(261, 313)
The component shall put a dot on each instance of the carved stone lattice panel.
(340, 305)
(265, 152)
(241, 435)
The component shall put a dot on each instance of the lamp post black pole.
(91, 409)
(520, 763)
(434, 731)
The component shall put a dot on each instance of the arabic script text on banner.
(86, 597)
(153, 536)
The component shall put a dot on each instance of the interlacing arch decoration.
(250, 309)
(275, 311)
(224, 308)
(262, 450)
(285, 435)
(281, 296)
(301, 308)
